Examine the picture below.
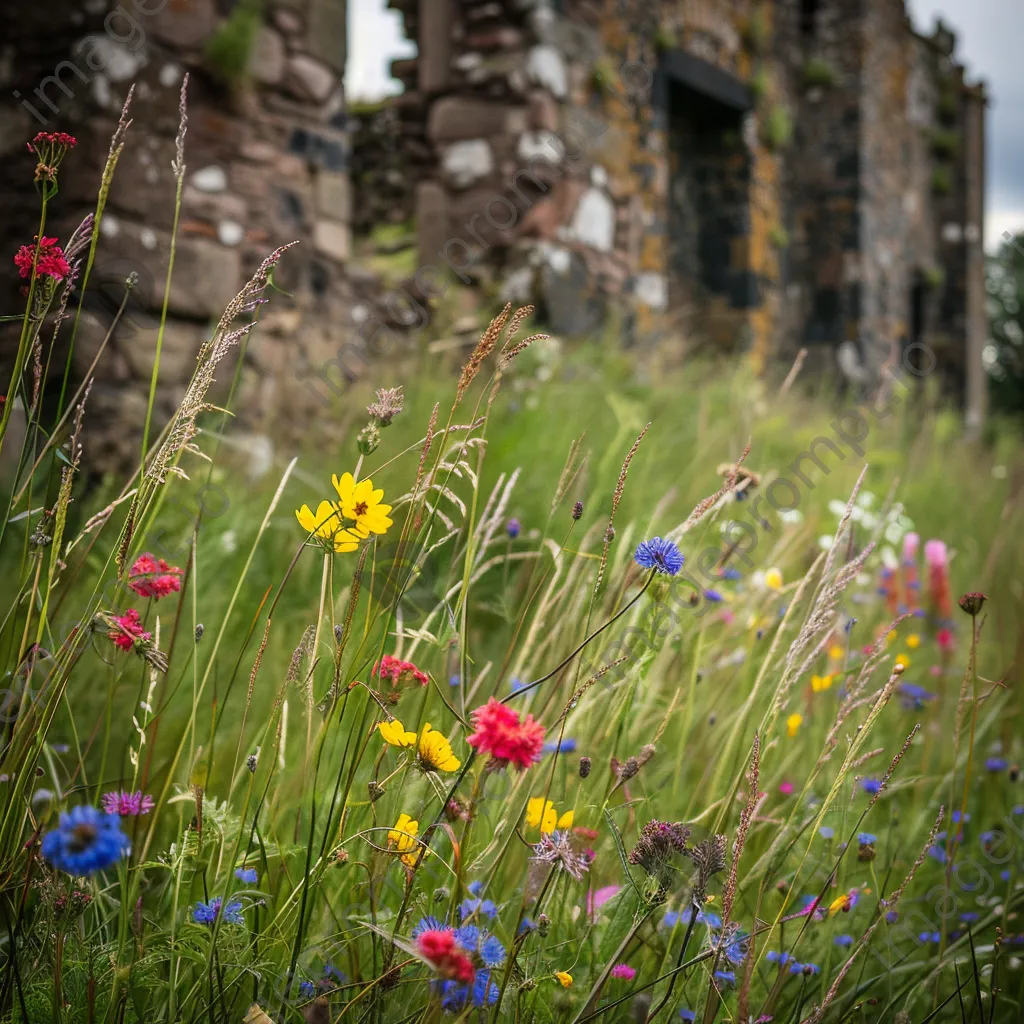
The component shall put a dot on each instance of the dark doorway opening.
(709, 200)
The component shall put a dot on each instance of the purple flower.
(207, 913)
(996, 764)
(871, 786)
(843, 940)
(246, 875)
(127, 805)
(513, 527)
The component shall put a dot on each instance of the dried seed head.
(339, 632)
(200, 629)
(543, 923)
(972, 602)
(585, 766)
(629, 768)
(252, 760)
(390, 402)
(577, 511)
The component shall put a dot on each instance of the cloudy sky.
(990, 41)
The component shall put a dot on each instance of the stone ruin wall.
(267, 157)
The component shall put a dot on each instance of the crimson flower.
(153, 577)
(130, 629)
(441, 948)
(508, 738)
(51, 262)
(397, 670)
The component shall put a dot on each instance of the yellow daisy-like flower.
(396, 735)
(819, 683)
(913, 641)
(541, 813)
(359, 501)
(840, 903)
(403, 838)
(773, 579)
(835, 652)
(326, 525)
(564, 979)
(903, 660)
(436, 752)
(793, 724)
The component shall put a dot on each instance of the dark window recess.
(808, 17)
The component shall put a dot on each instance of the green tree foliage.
(1004, 354)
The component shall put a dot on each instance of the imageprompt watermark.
(458, 255)
(120, 27)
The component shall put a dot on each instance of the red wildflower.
(52, 139)
(944, 638)
(130, 630)
(397, 670)
(443, 951)
(508, 739)
(153, 577)
(51, 262)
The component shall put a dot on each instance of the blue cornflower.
(475, 888)
(914, 696)
(687, 1015)
(708, 917)
(455, 997)
(86, 841)
(843, 940)
(725, 977)
(247, 875)
(1005, 875)
(483, 943)
(1017, 809)
(996, 764)
(826, 833)
(935, 937)
(207, 913)
(969, 917)
(892, 917)
(773, 956)
(958, 816)
(485, 908)
(729, 573)
(661, 555)
(428, 924)
(516, 683)
(736, 951)
(796, 967)
(867, 838)
(512, 528)
(871, 786)
(713, 595)
(307, 989)
(809, 968)
(989, 837)
(331, 973)
(938, 853)
(565, 746)
(526, 925)
(454, 680)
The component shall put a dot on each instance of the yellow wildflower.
(793, 723)
(436, 752)
(326, 525)
(541, 813)
(359, 501)
(819, 683)
(840, 903)
(913, 641)
(395, 734)
(403, 838)
(564, 979)
(835, 652)
(773, 579)
(903, 660)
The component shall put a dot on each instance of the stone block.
(333, 239)
(467, 162)
(326, 37)
(457, 117)
(269, 57)
(308, 78)
(185, 23)
(432, 220)
(542, 111)
(181, 343)
(333, 193)
(436, 18)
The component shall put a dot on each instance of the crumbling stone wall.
(564, 161)
(267, 163)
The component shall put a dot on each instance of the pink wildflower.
(508, 738)
(786, 787)
(397, 670)
(130, 629)
(127, 805)
(153, 577)
(51, 261)
(624, 971)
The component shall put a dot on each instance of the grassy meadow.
(530, 695)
